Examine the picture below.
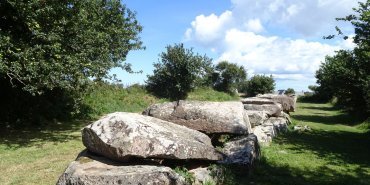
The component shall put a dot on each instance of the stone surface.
(122, 136)
(270, 128)
(202, 175)
(256, 117)
(256, 101)
(243, 151)
(89, 169)
(209, 117)
(287, 102)
(274, 109)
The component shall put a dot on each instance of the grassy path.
(332, 153)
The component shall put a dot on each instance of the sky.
(282, 38)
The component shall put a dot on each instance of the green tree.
(49, 51)
(178, 72)
(289, 91)
(260, 84)
(228, 76)
(61, 44)
(347, 74)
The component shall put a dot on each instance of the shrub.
(228, 76)
(178, 72)
(260, 84)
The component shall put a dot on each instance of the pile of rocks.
(129, 148)
(269, 114)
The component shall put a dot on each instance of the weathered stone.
(264, 133)
(89, 169)
(209, 117)
(256, 101)
(280, 124)
(122, 136)
(301, 128)
(270, 128)
(202, 175)
(271, 109)
(256, 117)
(243, 151)
(287, 102)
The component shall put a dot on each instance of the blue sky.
(278, 37)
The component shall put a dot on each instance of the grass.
(40, 154)
(208, 94)
(334, 152)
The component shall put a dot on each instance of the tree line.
(345, 77)
(51, 52)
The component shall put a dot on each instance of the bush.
(208, 94)
(178, 72)
(228, 76)
(260, 84)
(289, 91)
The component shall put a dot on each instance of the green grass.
(208, 94)
(334, 152)
(105, 99)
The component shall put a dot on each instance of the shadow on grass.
(270, 174)
(338, 148)
(57, 132)
(342, 118)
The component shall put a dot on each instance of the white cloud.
(254, 25)
(253, 34)
(207, 29)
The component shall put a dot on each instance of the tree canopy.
(346, 75)
(228, 76)
(61, 44)
(260, 84)
(178, 72)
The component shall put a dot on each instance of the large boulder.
(287, 102)
(274, 109)
(242, 151)
(122, 136)
(91, 169)
(257, 117)
(208, 117)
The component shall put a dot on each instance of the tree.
(260, 84)
(61, 44)
(178, 72)
(347, 74)
(228, 76)
(49, 51)
(289, 91)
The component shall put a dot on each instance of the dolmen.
(132, 148)
(269, 114)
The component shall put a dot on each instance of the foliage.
(228, 76)
(208, 94)
(50, 51)
(260, 84)
(182, 171)
(103, 98)
(347, 74)
(289, 91)
(178, 72)
(60, 44)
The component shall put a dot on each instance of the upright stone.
(122, 136)
(209, 117)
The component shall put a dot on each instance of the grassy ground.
(40, 154)
(334, 152)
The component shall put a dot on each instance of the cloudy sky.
(278, 37)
